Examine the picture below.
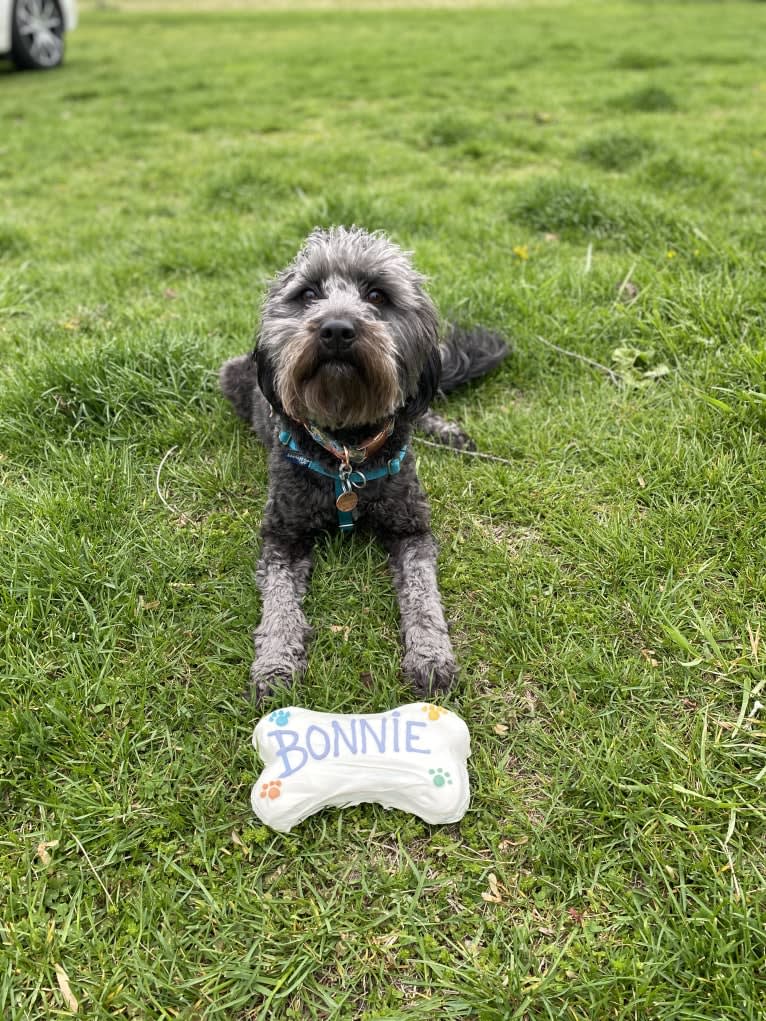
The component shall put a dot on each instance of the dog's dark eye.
(375, 296)
(308, 295)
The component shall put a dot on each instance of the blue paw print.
(440, 777)
(281, 717)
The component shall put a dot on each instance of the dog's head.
(348, 335)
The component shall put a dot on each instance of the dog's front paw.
(430, 672)
(268, 675)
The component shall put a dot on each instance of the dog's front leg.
(429, 663)
(281, 637)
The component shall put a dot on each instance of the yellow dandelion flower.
(521, 251)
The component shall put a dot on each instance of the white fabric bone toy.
(412, 758)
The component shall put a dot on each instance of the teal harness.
(346, 478)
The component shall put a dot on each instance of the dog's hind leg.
(281, 637)
(444, 431)
(239, 382)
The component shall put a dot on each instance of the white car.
(32, 31)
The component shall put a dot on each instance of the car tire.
(37, 34)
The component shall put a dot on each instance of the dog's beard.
(342, 392)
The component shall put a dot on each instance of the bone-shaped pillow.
(412, 758)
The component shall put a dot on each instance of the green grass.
(606, 589)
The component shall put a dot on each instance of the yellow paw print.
(435, 712)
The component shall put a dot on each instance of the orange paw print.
(434, 711)
(272, 789)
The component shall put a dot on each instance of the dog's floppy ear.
(428, 384)
(264, 374)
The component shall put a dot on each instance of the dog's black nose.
(336, 335)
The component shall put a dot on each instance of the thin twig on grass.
(165, 504)
(468, 453)
(93, 869)
(588, 258)
(613, 376)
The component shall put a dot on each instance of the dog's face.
(348, 335)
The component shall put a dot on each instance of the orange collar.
(356, 453)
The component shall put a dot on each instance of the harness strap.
(342, 481)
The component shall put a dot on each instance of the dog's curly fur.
(388, 366)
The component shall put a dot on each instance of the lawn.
(585, 175)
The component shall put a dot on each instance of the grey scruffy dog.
(348, 360)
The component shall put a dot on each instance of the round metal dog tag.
(347, 501)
